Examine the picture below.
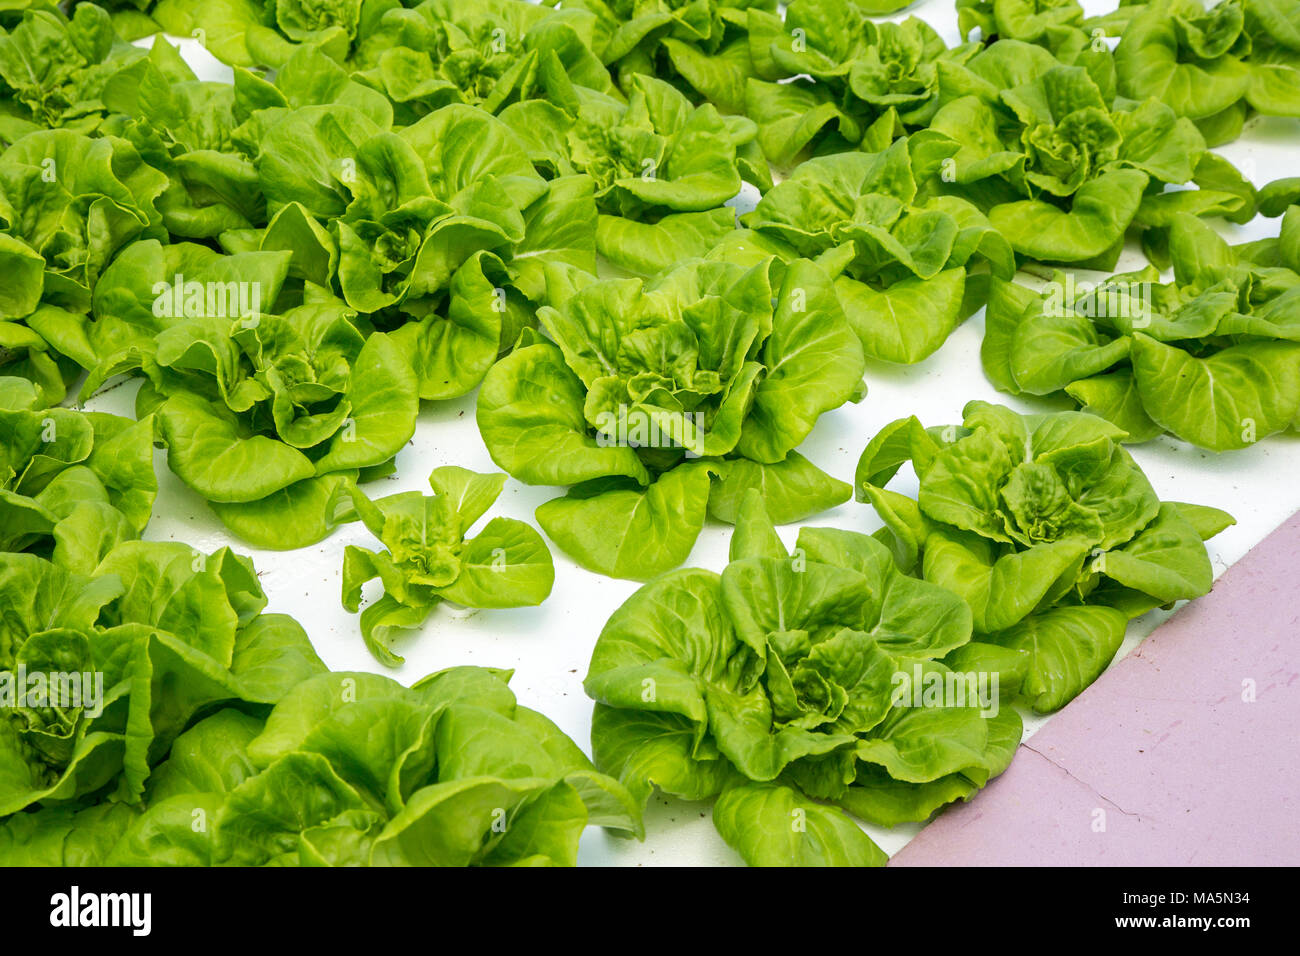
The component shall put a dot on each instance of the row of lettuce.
(155, 714)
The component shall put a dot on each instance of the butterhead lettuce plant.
(831, 71)
(1213, 64)
(912, 264)
(154, 634)
(488, 53)
(1212, 357)
(430, 558)
(53, 68)
(781, 687)
(68, 204)
(1061, 166)
(1046, 528)
(264, 415)
(349, 769)
(140, 684)
(1055, 24)
(700, 46)
(73, 485)
(661, 169)
(661, 401)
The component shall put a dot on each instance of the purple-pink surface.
(1187, 752)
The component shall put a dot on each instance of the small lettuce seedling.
(429, 559)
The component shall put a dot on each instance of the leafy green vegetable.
(906, 257)
(342, 269)
(53, 68)
(1211, 357)
(701, 46)
(857, 72)
(1213, 64)
(1046, 528)
(1278, 196)
(68, 204)
(645, 388)
(399, 203)
(1055, 24)
(73, 485)
(488, 53)
(1063, 166)
(782, 687)
(153, 634)
(251, 404)
(348, 770)
(654, 159)
(429, 558)
(151, 713)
